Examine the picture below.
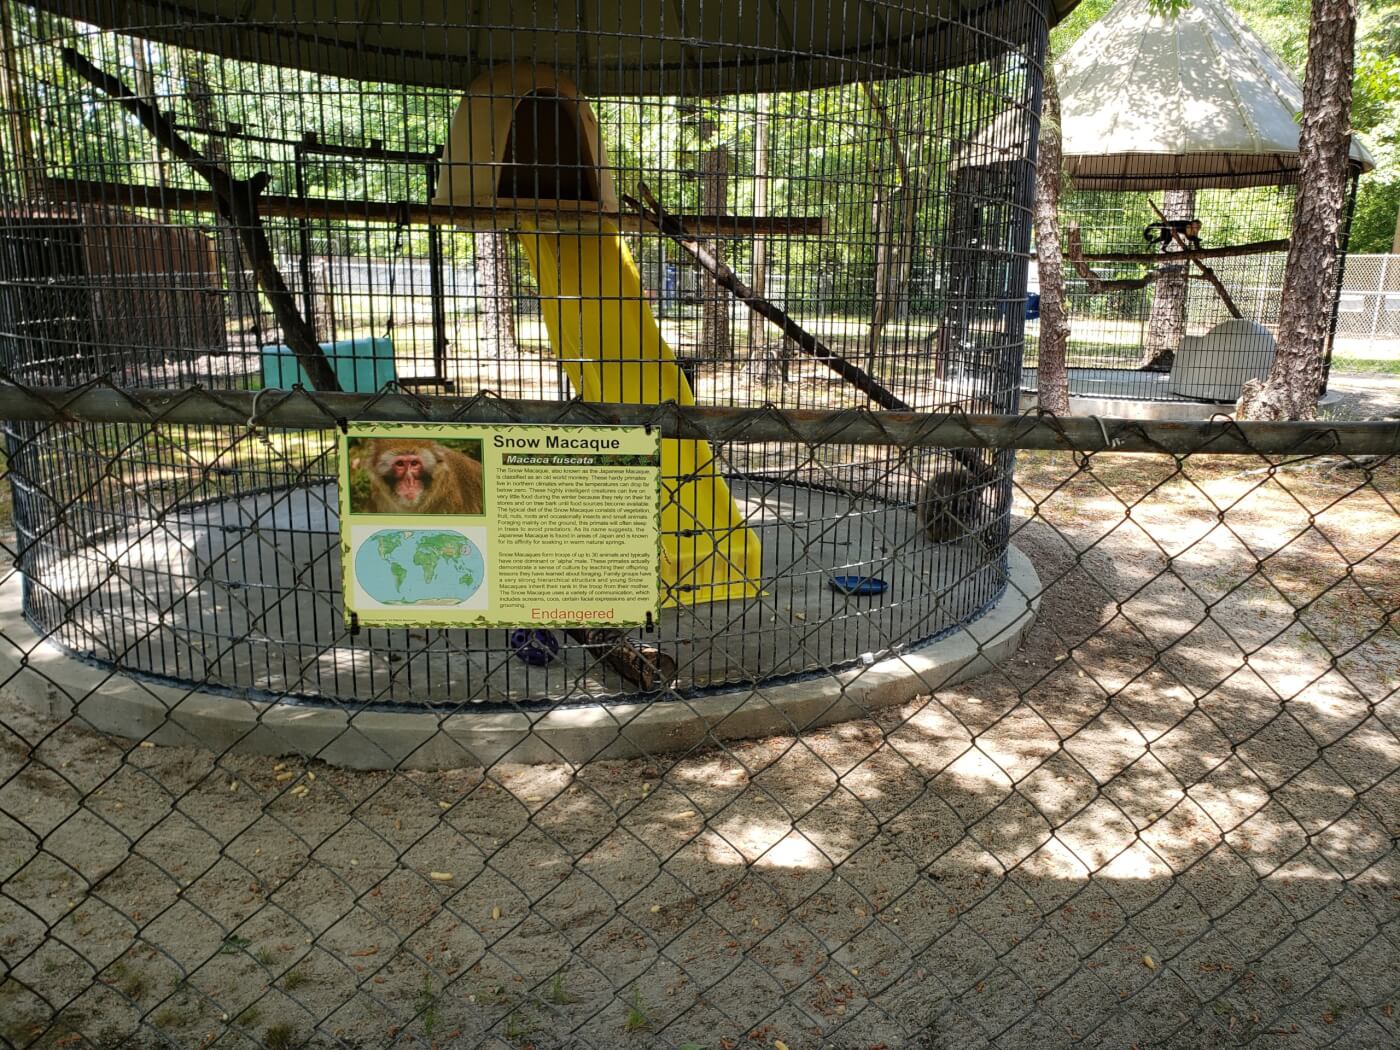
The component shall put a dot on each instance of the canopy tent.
(1190, 102)
(607, 47)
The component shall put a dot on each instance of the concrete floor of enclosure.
(243, 594)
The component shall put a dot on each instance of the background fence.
(1370, 302)
(1168, 820)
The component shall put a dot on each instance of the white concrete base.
(1131, 408)
(1127, 408)
(47, 678)
(1125, 393)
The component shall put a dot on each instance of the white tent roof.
(1193, 100)
(1187, 102)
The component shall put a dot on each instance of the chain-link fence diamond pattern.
(1167, 820)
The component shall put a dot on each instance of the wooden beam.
(329, 209)
(1228, 251)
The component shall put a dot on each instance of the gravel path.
(1363, 395)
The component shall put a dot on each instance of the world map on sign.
(419, 567)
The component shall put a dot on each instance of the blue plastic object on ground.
(861, 585)
(363, 366)
(536, 648)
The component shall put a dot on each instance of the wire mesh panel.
(1168, 820)
(624, 204)
(1145, 327)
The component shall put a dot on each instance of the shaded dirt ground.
(1170, 821)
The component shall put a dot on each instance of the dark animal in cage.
(954, 505)
(1165, 235)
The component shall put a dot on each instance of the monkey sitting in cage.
(954, 504)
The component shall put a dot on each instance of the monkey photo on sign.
(415, 476)
(1160, 233)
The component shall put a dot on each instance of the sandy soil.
(1170, 821)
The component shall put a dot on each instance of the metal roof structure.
(1190, 102)
(607, 47)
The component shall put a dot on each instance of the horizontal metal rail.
(300, 409)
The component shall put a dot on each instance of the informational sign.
(465, 525)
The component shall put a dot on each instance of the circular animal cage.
(404, 163)
(1149, 141)
(1185, 335)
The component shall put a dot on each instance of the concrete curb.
(44, 677)
(1135, 408)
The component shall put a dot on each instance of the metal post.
(1380, 297)
(437, 291)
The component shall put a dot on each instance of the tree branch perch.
(1101, 285)
(729, 280)
(238, 204)
(1206, 271)
(805, 341)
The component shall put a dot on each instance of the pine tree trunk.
(881, 222)
(893, 220)
(714, 200)
(1310, 277)
(759, 283)
(1166, 324)
(243, 302)
(493, 281)
(1052, 377)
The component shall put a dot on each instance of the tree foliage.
(1375, 108)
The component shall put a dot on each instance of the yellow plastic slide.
(612, 349)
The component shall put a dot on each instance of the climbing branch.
(1225, 251)
(805, 341)
(1100, 285)
(726, 278)
(237, 202)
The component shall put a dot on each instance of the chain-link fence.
(1370, 302)
(1166, 817)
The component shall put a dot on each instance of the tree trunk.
(894, 239)
(1166, 324)
(1052, 377)
(881, 222)
(714, 198)
(495, 287)
(757, 325)
(243, 301)
(1310, 276)
(146, 88)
